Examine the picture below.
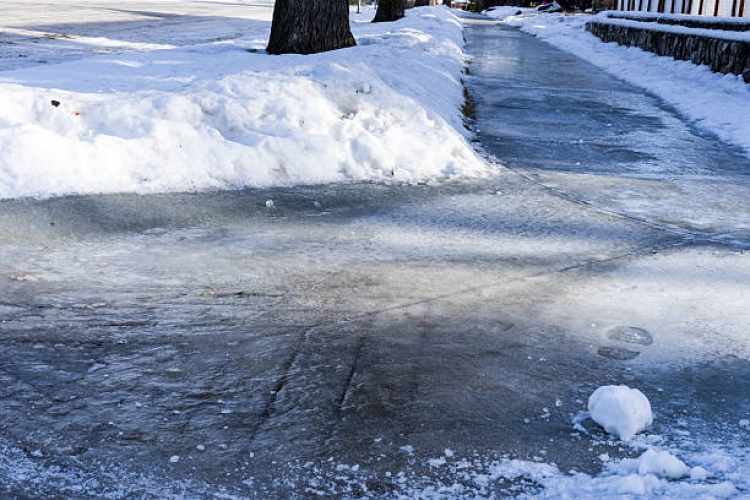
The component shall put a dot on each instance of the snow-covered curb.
(226, 115)
(714, 102)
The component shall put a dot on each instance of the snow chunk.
(632, 485)
(620, 410)
(698, 474)
(661, 464)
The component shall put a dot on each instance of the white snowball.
(622, 411)
(269, 204)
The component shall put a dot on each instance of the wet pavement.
(565, 123)
(343, 342)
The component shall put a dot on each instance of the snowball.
(269, 204)
(622, 411)
(174, 459)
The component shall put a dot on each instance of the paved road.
(193, 345)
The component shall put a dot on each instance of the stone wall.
(722, 56)
(707, 23)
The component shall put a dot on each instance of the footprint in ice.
(630, 335)
(627, 335)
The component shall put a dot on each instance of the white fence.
(723, 8)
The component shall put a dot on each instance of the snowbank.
(622, 411)
(714, 102)
(226, 115)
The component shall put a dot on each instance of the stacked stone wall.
(723, 56)
(708, 23)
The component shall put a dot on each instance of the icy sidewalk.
(594, 138)
(606, 146)
(361, 341)
(713, 102)
(435, 341)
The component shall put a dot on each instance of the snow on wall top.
(648, 22)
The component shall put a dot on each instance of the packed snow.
(620, 410)
(225, 114)
(714, 102)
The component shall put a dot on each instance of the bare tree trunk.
(310, 26)
(389, 10)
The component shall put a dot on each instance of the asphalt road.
(198, 345)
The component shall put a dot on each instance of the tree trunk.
(310, 26)
(389, 10)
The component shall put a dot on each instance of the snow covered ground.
(180, 96)
(717, 103)
(200, 105)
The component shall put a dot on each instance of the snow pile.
(227, 115)
(714, 102)
(655, 474)
(622, 411)
(659, 474)
(657, 463)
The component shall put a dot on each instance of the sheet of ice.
(714, 102)
(622, 411)
(224, 114)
